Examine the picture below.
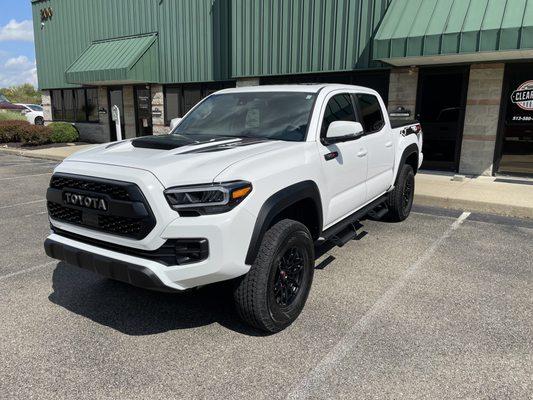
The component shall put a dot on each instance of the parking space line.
(22, 204)
(317, 376)
(23, 271)
(23, 176)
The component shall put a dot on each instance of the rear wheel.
(400, 200)
(273, 293)
(39, 121)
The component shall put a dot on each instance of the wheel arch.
(302, 196)
(409, 156)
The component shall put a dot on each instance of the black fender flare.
(409, 150)
(275, 204)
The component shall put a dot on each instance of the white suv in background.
(34, 113)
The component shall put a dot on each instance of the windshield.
(267, 115)
(35, 107)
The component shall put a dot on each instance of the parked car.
(34, 113)
(241, 189)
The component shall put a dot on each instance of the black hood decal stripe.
(226, 146)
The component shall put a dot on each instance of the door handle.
(362, 153)
(388, 144)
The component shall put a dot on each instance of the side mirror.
(174, 122)
(343, 131)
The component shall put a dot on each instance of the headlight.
(207, 199)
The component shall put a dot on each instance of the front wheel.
(273, 293)
(39, 121)
(400, 200)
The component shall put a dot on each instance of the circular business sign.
(523, 96)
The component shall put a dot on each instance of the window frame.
(355, 99)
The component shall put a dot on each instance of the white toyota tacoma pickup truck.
(241, 189)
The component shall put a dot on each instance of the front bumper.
(228, 236)
(123, 271)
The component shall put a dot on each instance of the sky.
(17, 51)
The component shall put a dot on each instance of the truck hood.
(178, 160)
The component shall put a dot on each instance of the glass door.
(515, 154)
(143, 111)
(441, 104)
(116, 99)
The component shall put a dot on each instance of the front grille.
(112, 190)
(62, 213)
(126, 226)
(127, 213)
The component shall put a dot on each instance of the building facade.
(463, 68)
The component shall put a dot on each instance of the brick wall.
(403, 88)
(481, 119)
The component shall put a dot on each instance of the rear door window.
(371, 115)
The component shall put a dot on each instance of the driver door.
(344, 164)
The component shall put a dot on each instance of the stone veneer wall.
(481, 119)
(158, 110)
(403, 87)
(242, 82)
(46, 102)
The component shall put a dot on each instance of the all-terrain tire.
(400, 200)
(261, 296)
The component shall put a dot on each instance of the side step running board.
(336, 232)
(349, 233)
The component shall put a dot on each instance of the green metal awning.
(120, 60)
(415, 32)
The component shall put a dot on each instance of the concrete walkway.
(511, 197)
(507, 196)
(56, 152)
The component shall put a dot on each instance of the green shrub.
(63, 132)
(22, 131)
(11, 116)
(35, 135)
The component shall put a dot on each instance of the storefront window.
(75, 105)
(92, 105)
(80, 112)
(517, 140)
(180, 99)
(57, 105)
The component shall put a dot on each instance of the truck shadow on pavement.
(135, 311)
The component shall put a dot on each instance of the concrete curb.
(474, 205)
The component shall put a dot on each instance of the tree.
(24, 93)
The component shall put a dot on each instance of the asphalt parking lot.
(437, 307)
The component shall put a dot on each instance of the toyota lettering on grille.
(80, 200)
